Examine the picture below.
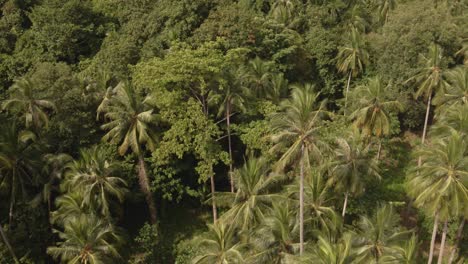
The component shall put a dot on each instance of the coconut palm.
(317, 202)
(278, 89)
(219, 246)
(406, 253)
(351, 167)
(273, 240)
(7, 243)
(295, 128)
(378, 235)
(18, 162)
(258, 74)
(70, 206)
(372, 115)
(457, 239)
(129, 124)
(92, 175)
(329, 250)
(385, 6)
(23, 100)
(439, 185)
(453, 119)
(86, 239)
(456, 90)
(429, 80)
(254, 194)
(283, 11)
(352, 58)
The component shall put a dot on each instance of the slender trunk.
(434, 233)
(347, 90)
(12, 198)
(228, 124)
(426, 120)
(379, 149)
(344, 205)
(213, 202)
(7, 243)
(301, 204)
(442, 243)
(457, 241)
(145, 188)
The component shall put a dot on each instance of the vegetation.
(217, 131)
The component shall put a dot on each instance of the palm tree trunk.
(457, 240)
(442, 243)
(434, 233)
(145, 188)
(379, 149)
(7, 243)
(12, 198)
(301, 204)
(344, 205)
(213, 202)
(426, 120)
(347, 90)
(228, 125)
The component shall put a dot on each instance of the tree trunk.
(145, 188)
(457, 240)
(426, 120)
(344, 205)
(213, 202)
(347, 90)
(442, 243)
(7, 243)
(228, 124)
(301, 204)
(434, 233)
(379, 150)
(12, 198)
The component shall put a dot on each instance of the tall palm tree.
(456, 90)
(233, 100)
(24, 100)
(278, 89)
(92, 174)
(378, 235)
(372, 115)
(295, 128)
(429, 79)
(273, 240)
(351, 167)
(453, 119)
(86, 239)
(254, 194)
(258, 76)
(18, 162)
(405, 253)
(69, 207)
(352, 57)
(283, 10)
(317, 202)
(129, 124)
(219, 246)
(439, 185)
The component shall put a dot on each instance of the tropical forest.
(233, 131)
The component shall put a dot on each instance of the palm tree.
(18, 162)
(457, 239)
(439, 185)
(385, 6)
(23, 100)
(233, 99)
(254, 194)
(258, 74)
(86, 239)
(456, 91)
(283, 10)
(278, 88)
(373, 109)
(378, 235)
(92, 174)
(317, 202)
(453, 119)
(69, 207)
(273, 240)
(352, 58)
(295, 128)
(429, 79)
(219, 246)
(351, 166)
(407, 253)
(130, 125)
(328, 250)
